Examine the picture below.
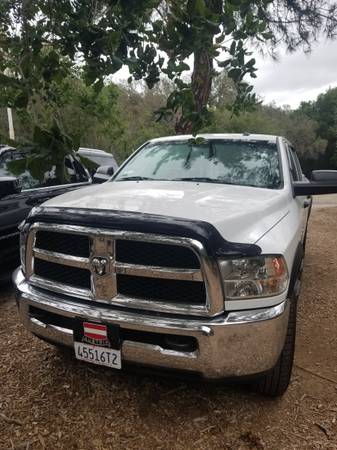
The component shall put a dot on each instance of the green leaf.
(268, 35)
(21, 100)
(220, 39)
(196, 8)
(235, 74)
(232, 48)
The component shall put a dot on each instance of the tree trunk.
(201, 88)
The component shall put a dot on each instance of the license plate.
(101, 356)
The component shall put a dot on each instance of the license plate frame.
(98, 343)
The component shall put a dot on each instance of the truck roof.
(93, 151)
(231, 136)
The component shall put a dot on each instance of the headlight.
(262, 276)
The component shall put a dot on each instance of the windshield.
(229, 162)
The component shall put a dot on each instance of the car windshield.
(245, 163)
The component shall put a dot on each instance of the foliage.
(129, 121)
(42, 41)
(118, 119)
(213, 35)
(324, 111)
(56, 58)
(47, 149)
(269, 119)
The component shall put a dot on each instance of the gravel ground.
(50, 401)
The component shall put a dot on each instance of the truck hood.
(240, 213)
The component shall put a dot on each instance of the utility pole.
(10, 115)
(10, 124)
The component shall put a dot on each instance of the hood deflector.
(204, 232)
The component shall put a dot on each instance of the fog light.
(180, 343)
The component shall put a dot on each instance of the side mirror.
(322, 182)
(9, 186)
(103, 173)
(324, 176)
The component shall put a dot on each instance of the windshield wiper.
(206, 179)
(203, 179)
(135, 178)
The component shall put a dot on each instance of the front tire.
(275, 382)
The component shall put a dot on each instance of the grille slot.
(69, 244)
(152, 254)
(171, 291)
(62, 274)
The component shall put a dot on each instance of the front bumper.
(233, 344)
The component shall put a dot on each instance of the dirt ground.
(51, 401)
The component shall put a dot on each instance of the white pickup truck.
(188, 259)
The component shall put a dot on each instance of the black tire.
(305, 240)
(275, 382)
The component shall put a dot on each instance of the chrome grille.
(143, 271)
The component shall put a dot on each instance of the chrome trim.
(256, 315)
(62, 258)
(103, 245)
(58, 186)
(233, 344)
(60, 288)
(159, 306)
(159, 272)
(118, 300)
(103, 287)
(38, 323)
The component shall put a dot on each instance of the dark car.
(93, 158)
(22, 188)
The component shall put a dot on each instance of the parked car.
(93, 158)
(21, 189)
(189, 259)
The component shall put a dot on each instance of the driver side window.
(13, 164)
(294, 164)
(41, 172)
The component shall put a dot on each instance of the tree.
(215, 34)
(42, 41)
(324, 112)
(45, 42)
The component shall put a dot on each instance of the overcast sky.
(297, 77)
(293, 78)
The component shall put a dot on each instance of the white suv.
(188, 259)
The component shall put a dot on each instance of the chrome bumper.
(233, 344)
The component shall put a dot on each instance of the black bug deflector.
(204, 232)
